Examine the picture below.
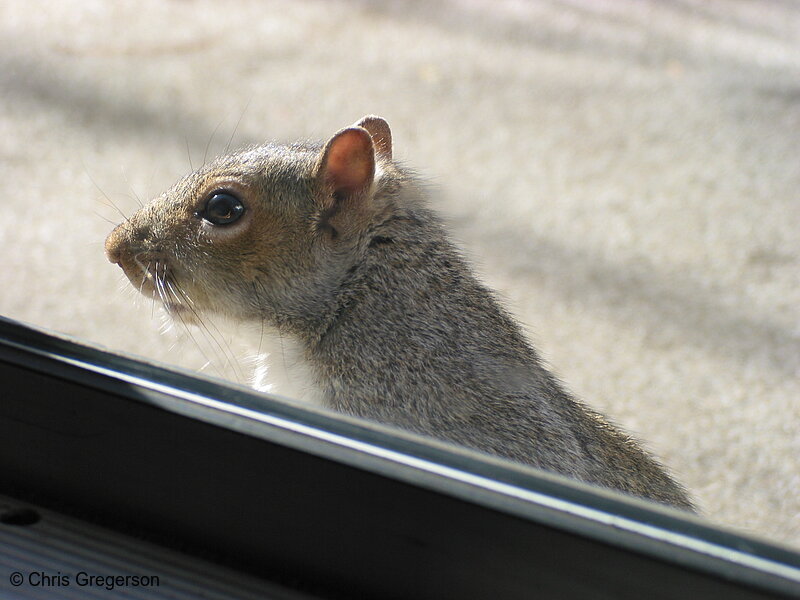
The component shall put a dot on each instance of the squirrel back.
(334, 247)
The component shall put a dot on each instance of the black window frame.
(335, 504)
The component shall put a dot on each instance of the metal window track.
(134, 469)
(44, 554)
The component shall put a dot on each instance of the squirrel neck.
(412, 300)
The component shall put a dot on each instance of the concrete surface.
(625, 172)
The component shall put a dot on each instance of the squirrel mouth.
(182, 313)
(176, 309)
(155, 280)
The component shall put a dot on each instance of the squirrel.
(333, 246)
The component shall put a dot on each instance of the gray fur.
(416, 341)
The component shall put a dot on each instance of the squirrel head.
(264, 234)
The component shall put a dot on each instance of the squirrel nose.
(113, 246)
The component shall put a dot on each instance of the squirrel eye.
(223, 208)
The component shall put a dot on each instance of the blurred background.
(625, 173)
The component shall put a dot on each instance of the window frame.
(298, 494)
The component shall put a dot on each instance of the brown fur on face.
(299, 233)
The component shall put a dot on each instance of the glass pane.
(623, 176)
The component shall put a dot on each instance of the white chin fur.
(274, 364)
(279, 365)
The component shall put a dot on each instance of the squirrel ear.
(347, 165)
(381, 135)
